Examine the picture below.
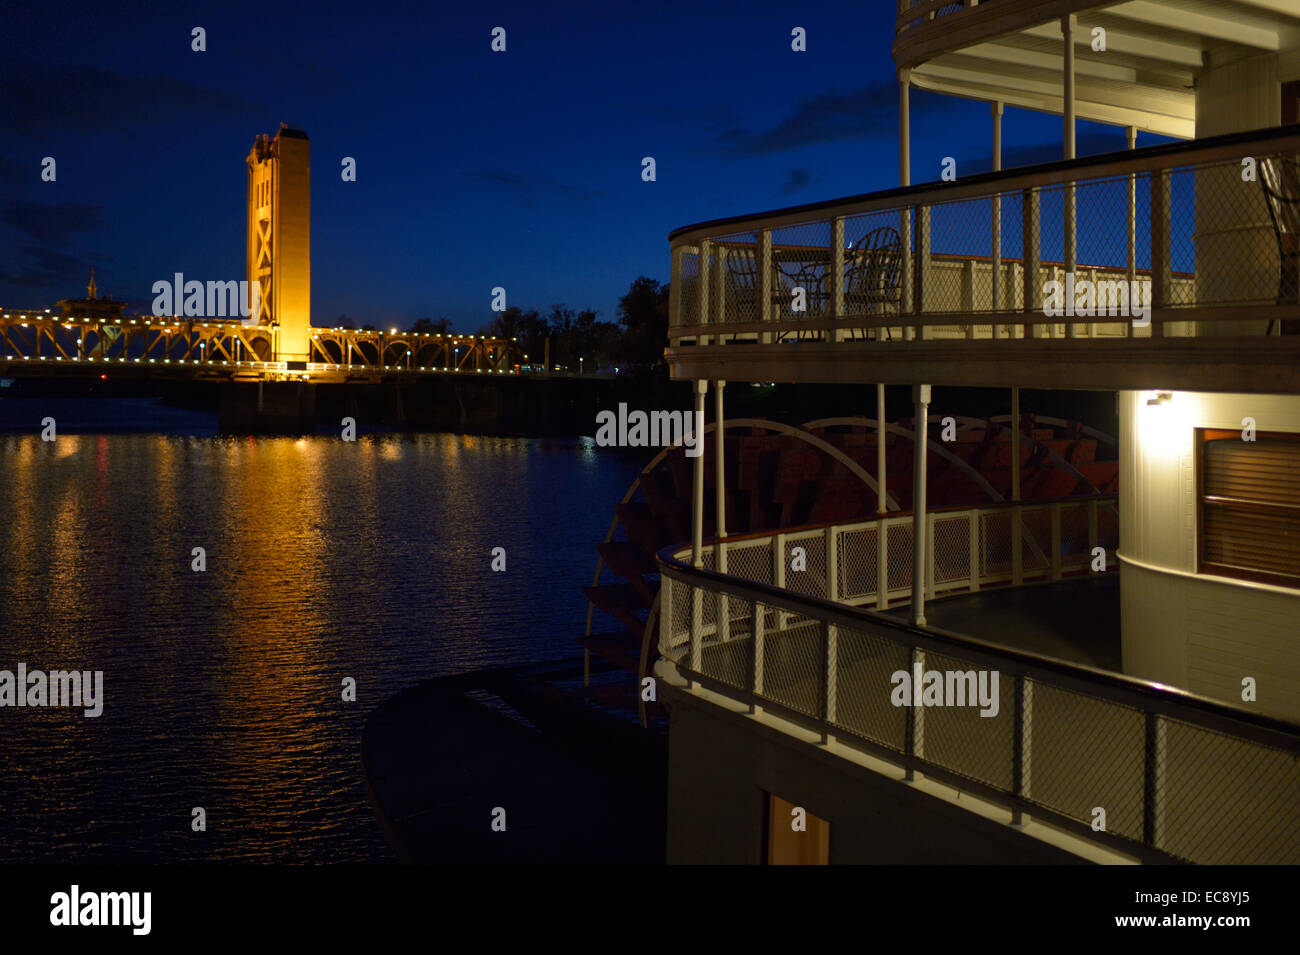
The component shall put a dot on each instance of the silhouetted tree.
(528, 327)
(643, 312)
(427, 326)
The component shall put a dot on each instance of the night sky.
(474, 169)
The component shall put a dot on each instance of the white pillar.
(1071, 230)
(905, 179)
(881, 506)
(723, 616)
(719, 466)
(1068, 23)
(1132, 224)
(996, 107)
(904, 128)
(697, 492)
(1015, 442)
(921, 399)
(1017, 534)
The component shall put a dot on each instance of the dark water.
(222, 689)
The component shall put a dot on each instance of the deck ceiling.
(1011, 52)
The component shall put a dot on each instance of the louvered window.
(1250, 506)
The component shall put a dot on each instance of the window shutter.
(1250, 508)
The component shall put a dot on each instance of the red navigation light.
(103, 377)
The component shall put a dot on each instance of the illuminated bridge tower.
(279, 236)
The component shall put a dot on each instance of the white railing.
(1179, 777)
(969, 549)
(1172, 241)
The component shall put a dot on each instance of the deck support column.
(921, 400)
(719, 503)
(697, 491)
(996, 304)
(905, 179)
(1032, 277)
(1016, 536)
(882, 506)
(1072, 330)
(1132, 225)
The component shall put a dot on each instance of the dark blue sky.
(474, 169)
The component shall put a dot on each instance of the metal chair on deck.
(1280, 179)
(743, 286)
(871, 274)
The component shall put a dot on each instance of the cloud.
(871, 111)
(1085, 144)
(531, 188)
(41, 98)
(53, 222)
(47, 257)
(41, 267)
(796, 179)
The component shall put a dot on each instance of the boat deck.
(1076, 620)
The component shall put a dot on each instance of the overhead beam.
(1165, 101)
(1050, 62)
(1156, 46)
(1098, 112)
(1250, 31)
(1285, 7)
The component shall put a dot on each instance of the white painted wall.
(1236, 252)
(1190, 630)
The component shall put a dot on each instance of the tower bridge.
(279, 342)
(41, 343)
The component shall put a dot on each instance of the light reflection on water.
(325, 560)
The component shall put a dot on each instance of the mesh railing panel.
(952, 551)
(856, 564)
(955, 736)
(689, 272)
(1036, 533)
(899, 555)
(995, 544)
(811, 580)
(1221, 796)
(679, 633)
(1085, 753)
(751, 561)
(1076, 546)
(734, 287)
(793, 656)
(865, 665)
(725, 654)
(801, 259)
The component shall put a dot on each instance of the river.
(325, 560)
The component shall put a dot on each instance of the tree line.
(579, 340)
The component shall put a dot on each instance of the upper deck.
(1135, 61)
(1159, 268)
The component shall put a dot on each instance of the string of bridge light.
(321, 366)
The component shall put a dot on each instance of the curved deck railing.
(1177, 777)
(1174, 241)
